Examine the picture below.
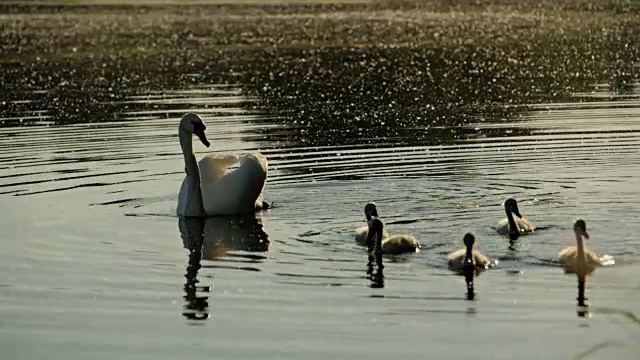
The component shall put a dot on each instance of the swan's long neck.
(512, 222)
(375, 226)
(580, 246)
(468, 266)
(469, 252)
(186, 143)
(514, 231)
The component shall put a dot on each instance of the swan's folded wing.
(455, 258)
(568, 258)
(361, 235)
(525, 225)
(255, 157)
(400, 243)
(232, 191)
(214, 166)
(592, 258)
(222, 159)
(567, 255)
(481, 260)
(503, 226)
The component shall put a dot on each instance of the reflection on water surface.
(215, 239)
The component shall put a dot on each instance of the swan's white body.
(232, 192)
(209, 188)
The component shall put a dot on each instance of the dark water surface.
(95, 264)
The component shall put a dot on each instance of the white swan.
(456, 259)
(578, 259)
(208, 188)
(514, 227)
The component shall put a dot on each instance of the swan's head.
(468, 240)
(511, 206)
(580, 227)
(370, 210)
(375, 229)
(193, 124)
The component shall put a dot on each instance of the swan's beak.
(202, 136)
(585, 234)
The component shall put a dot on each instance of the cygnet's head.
(511, 206)
(193, 124)
(370, 210)
(580, 227)
(468, 240)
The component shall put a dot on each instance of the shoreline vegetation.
(342, 64)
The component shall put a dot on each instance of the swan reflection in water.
(583, 306)
(214, 239)
(375, 270)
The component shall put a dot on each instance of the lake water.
(438, 113)
(94, 266)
